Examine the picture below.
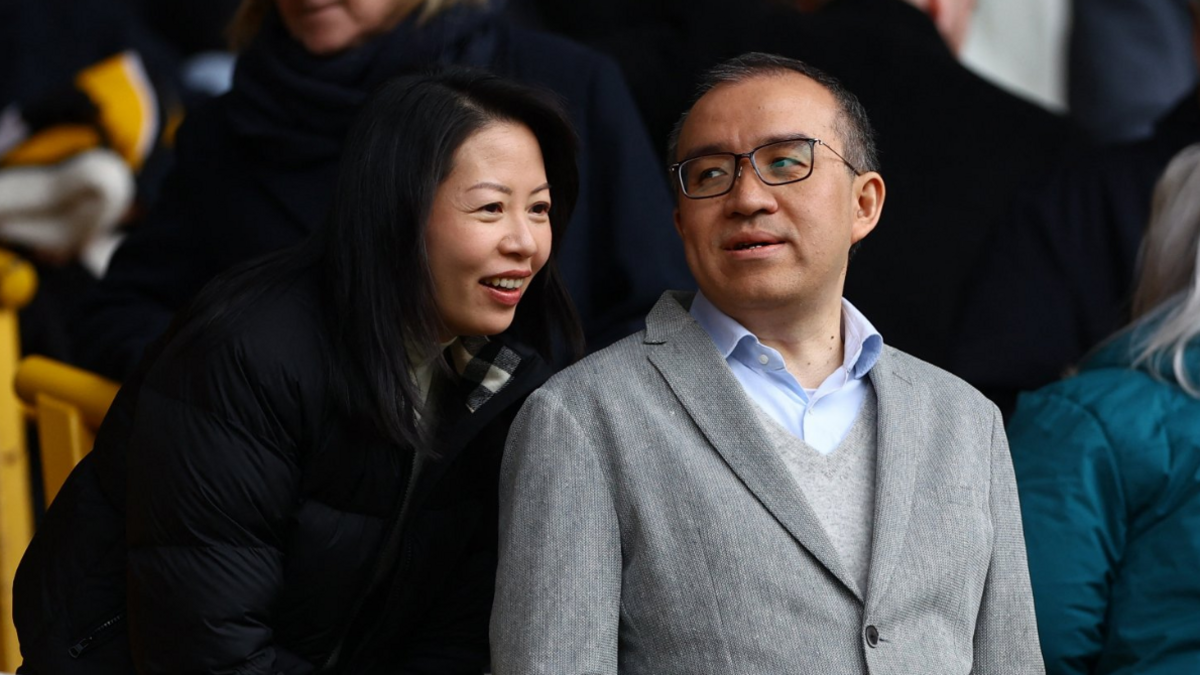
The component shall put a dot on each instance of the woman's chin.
(481, 327)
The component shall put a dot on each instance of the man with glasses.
(755, 483)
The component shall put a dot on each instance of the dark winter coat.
(255, 172)
(251, 516)
(1057, 277)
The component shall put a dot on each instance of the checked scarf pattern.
(486, 367)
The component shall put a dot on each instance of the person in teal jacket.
(1108, 470)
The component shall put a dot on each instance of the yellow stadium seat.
(67, 404)
(18, 282)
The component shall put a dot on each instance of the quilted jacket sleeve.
(213, 479)
(1072, 504)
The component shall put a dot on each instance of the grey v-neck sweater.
(839, 486)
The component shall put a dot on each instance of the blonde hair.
(248, 18)
(1166, 298)
(246, 22)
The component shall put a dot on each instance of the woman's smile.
(507, 288)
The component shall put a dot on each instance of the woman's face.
(329, 26)
(489, 229)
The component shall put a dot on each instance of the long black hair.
(370, 255)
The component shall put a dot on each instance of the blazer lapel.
(701, 380)
(900, 451)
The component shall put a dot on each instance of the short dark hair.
(852, 123)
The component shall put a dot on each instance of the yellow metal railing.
(68, 405)
(18, 282)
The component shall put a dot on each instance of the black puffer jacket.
(250, 518)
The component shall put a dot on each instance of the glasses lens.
(708, 175)
(784, 162)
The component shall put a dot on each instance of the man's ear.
(678, 225)
(869, 193)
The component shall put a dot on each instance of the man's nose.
(749, 195)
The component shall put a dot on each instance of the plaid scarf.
(486, 367)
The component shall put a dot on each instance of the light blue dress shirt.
(820, 417)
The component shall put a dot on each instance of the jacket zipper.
(334, 655)
(79, 648)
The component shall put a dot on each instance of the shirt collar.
(863, 344)
(725, 332)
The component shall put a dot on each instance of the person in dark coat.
(303, 479)
(1108, 467)
(255, 170)
(1056, 279)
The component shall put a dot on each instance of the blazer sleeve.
(213, 481)
(558, 587)
(1006, 637)
(1072, 500)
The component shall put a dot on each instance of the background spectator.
(255, 168)
(1108, 467)
(1021, 45)
(1130, 62)
(1056, 278)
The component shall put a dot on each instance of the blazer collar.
(694, 370)
(901, 449)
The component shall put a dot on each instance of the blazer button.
(872, 636)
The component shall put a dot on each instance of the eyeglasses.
(777, 163)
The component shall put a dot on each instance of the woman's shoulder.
(1123, 403)
(267, 349)
(1144, 430)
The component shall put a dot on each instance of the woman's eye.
(541, 208)
(494, 207)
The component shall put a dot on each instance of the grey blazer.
(647, 526)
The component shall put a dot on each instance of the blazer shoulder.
(939, 385)
(620, 367)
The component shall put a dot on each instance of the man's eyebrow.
(492, 186)
(714, 148)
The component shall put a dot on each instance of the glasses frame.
(749, 156)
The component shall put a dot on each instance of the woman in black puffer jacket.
(302, 479)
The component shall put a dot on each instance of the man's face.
(762, 247)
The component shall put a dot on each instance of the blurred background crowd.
(146, 147)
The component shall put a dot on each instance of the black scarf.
(294, 108)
